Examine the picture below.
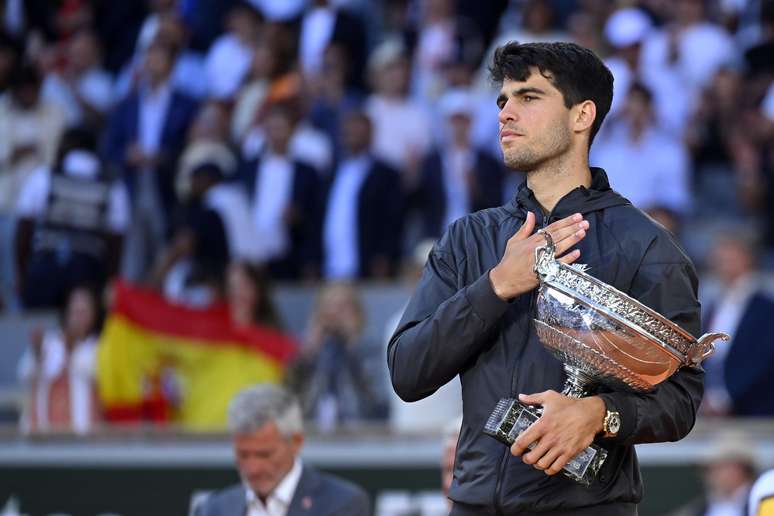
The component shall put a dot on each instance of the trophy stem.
(578, 383)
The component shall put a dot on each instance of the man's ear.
(583, 116)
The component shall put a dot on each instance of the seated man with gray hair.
(266, 424)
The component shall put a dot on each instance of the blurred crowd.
(208, 147)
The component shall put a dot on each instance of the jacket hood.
(584, 200)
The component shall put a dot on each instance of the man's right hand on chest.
(515, 274)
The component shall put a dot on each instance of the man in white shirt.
(265, 421)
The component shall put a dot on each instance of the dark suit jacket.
(486, 192)
(317, 494)
(379, 217)
(306, 201)
(749, 364)
(123, 130)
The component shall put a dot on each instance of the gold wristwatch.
(612, 424)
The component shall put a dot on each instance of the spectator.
(266, 426)
(712, 135)
(645, 164)
(249, 296)
(58, 369)
(459, 179)
(333, 97)
(323, 25)
(740, 374)
(339, 372)
(626, 30)
(81, 87)
(270, 73)
(285, 198)
(728, 473)
(228, 60)
(208, 145)
(362, 227)
(30, 128)
(190, 270)
(144, 138)
(72, 220)
(690, 47)
(434, 48)
(402, 132)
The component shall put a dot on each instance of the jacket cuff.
(626, 405)
(485, 303)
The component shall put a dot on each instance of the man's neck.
(552, 181)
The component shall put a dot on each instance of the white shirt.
(231, 203)
(54, 358)
(456, 167)
(340, 231)
(34, 196)
(273, 191)
(278, 502)
(401, 130)
(652, 171)
(94, 86)
(154, 105)
(316, 32)
(226, 66)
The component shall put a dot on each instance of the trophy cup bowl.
(603, 337)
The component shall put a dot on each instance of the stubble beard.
(528, 158)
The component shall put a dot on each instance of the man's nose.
(508, 113)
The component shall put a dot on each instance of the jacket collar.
(596, 197)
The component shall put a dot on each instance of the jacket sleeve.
(668, 412)
(443, 328)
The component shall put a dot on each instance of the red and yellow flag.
(149, 343)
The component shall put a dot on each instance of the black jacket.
(455, 324)
(379, 217)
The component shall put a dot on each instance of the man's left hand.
(567, 426)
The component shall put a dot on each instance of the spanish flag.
(161, 361)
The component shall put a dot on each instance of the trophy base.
(511, 417)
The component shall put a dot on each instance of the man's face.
(265, 456)
(534, 122)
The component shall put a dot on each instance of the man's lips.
(508, 133)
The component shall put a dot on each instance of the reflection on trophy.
(603, 337)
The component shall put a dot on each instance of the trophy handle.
(545, 257)
(706, 346)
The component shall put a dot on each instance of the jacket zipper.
(504, 460)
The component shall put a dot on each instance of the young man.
(472, 312)
(268, 434)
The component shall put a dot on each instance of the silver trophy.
(602, 336)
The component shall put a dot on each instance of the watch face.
(615, 423)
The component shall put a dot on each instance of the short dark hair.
(575, 71)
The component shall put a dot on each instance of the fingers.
(563, 223)
(536, 454)
(527, 228)
(558, 463)
(570, 257)
(548, 462)
(526, 438)
(533, 399)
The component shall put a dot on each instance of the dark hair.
(264, 311)
(575, 71)
(94, 293)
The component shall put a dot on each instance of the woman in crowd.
(58, 369)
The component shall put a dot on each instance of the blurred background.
(198, 195)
